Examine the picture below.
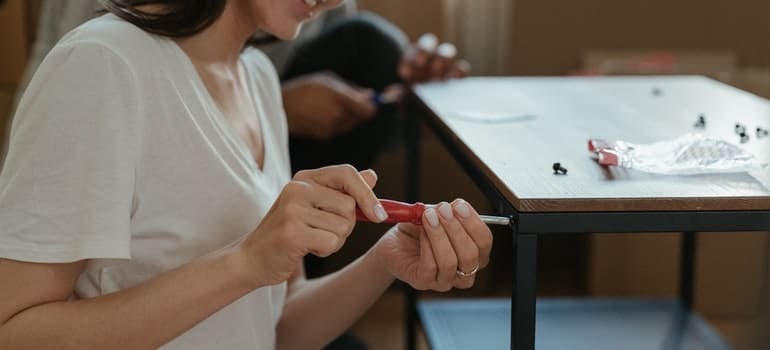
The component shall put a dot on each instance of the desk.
(550, 120)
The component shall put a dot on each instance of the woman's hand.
(452, 241)
(314, 214)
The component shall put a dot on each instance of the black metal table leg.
(412, 140)
(687, 272)
(524, 296)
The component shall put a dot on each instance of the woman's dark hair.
(178, 18)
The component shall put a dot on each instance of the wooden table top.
(550, 120)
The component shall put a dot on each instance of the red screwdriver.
(412, 213)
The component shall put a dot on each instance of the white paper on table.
(490, 117)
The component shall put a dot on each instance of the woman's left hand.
(444, 253)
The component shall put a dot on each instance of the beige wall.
(13, 41)
(550, 35)
(13, 56)
(415, 17)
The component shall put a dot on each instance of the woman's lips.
(313, 3)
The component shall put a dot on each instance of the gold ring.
(462, 274)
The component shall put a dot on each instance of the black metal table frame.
(527, 226)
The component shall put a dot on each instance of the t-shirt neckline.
(243, 149)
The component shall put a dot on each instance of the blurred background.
(725, 40)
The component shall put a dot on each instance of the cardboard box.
(719, 65)
(710, 63)
(14, 42)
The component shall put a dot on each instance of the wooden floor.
(382, 328)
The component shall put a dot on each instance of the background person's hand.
(314, 214)
(452, 238)
(428, 60)
(321, 106)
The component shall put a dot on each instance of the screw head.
(701, 122)
(558, 169)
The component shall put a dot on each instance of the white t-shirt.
(119, 155)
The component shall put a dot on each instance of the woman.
(146, 199)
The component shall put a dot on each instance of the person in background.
(147, 199)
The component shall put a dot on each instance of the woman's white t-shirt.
(119, 155)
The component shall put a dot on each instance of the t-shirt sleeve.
(67, 185)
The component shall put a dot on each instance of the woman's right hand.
(314, 214)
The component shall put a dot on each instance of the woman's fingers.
(347, 179)
(334, 202)
(477, 230)
(459, 242)
(464, 248)
(411, 230)
(370, 177)
(427, 274)
(444, 254)
(320, 242)
(330, 222)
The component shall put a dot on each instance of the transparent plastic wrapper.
(689, 154)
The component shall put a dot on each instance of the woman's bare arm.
(319, 310)
(35, 312)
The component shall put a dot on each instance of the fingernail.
(445, 211)
(430, 215)
(380, 212)
(371, 171)
(463, 208)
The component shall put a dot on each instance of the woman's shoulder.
(260, 66)
(258, 61)
(125, 40)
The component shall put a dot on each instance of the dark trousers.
(361, 51)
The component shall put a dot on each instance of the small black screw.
(558, 169)
(744, 137)
(761, 132)
(657, 92)
(740, 129)
(701, 123)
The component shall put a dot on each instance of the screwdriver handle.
(398, 212)
(412, 213)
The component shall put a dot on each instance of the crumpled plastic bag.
(689, 154)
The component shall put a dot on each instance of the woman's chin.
(286, 33)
